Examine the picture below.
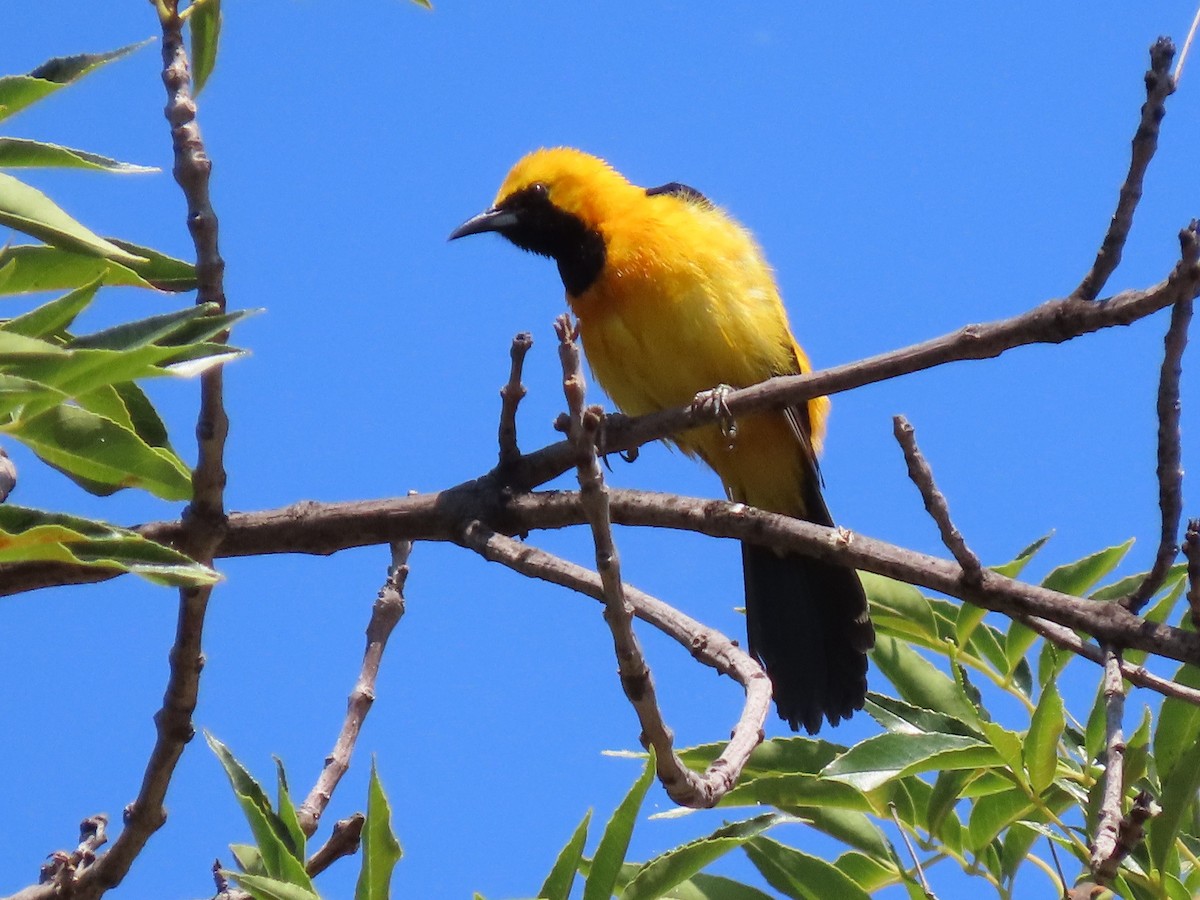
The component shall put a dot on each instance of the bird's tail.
(807, 623)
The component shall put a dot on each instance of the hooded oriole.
(674, 297)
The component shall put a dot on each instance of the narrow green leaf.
(895, 599)
(262, 887)
(1078, 577)
(854, 829)
(1018, 841)
(248, 858)
(20, 91)
(380, 849)
(776, 756)
(606, 864)
(877, 760)
(1014, 568)
(1137, 750)
(205, 23)
(30, 535)
(33, 268)
(1017, 641)
(659, 875)
(271, 836)
(23, 153)
(870, 873)
(947, 793)
(31, 212)
(1041, 743)
(1007, 744)
(559, 882)
(144, 417)
(1178, 800)
(920, 682)
(800, 789)
(287, 813)
(799, 875)
(1178, 725)
(102, 454)
(968, 619)
(896, 715)
(51, 318)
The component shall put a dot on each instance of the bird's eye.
(539, 189)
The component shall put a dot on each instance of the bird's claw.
(717, 399)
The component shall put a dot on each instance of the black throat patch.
(548, 230)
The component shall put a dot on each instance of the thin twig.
(921, 880)
(1191, 552)
(1187, 46)
(706, 645)
(1159, 86)
(1137, 675)
(1170, 467)
(1105, 860)
(682, 785)
(935, 503)
(1062, 878)
(385, 613)
(344, 841)
(511, 396)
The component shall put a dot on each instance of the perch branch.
(1159, 86)
(935, 503)
(385, 613)
(1105, 859)
(706, 645)
(1191, 552)
(1170, 468)
(344, 841)
(511, 396)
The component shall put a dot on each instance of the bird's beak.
(493, 219)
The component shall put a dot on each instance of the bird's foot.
(717, 400)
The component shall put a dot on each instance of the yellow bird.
(674, 298)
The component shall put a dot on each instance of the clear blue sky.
(908, 168)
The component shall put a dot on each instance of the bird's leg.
(716, 399)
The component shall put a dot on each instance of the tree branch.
(511, 396)
(1105, 860)
(708, 646)
(385, 614)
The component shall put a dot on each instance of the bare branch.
(204, 520)
(1105, 859)
(1187, 46)
(921, 880)
(344, 841)
(1170, 468)
(1138, 675)
(935, 503)
(385, 614)
(511, 396)
(1159, 86)
(1191, 551)
(708, 646)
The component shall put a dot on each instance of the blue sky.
(908, 168)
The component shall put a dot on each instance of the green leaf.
(558, 883)
(30, 535)
(877, 760)
(1007, 745)
(657, 876)
(1041, 743)
(1178, 798)
(101, 455)
(205, 22)
(855, 829)
(896, 715)
(280, 858)
(262, 887)
(1137, 750)
(1077, 577)
(287, 812)
(1018, 841)
(606, 864)
(871, 873)
(992, 814)
(248, 858)
(798, 789)
(800, 875)
(33, 268)
(31, 212)
(946, 795)
(920, 682)
(1014, 568)
(380, 849)
(714, 887)
(900, 609)
(777, 756)
(23, 153)
(52, 317)
(20, 91)
(1178, 725)
(1017, 641)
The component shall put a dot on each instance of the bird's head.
(556, 202)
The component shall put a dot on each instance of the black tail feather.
(807, 624)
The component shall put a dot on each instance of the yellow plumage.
(673, 298)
